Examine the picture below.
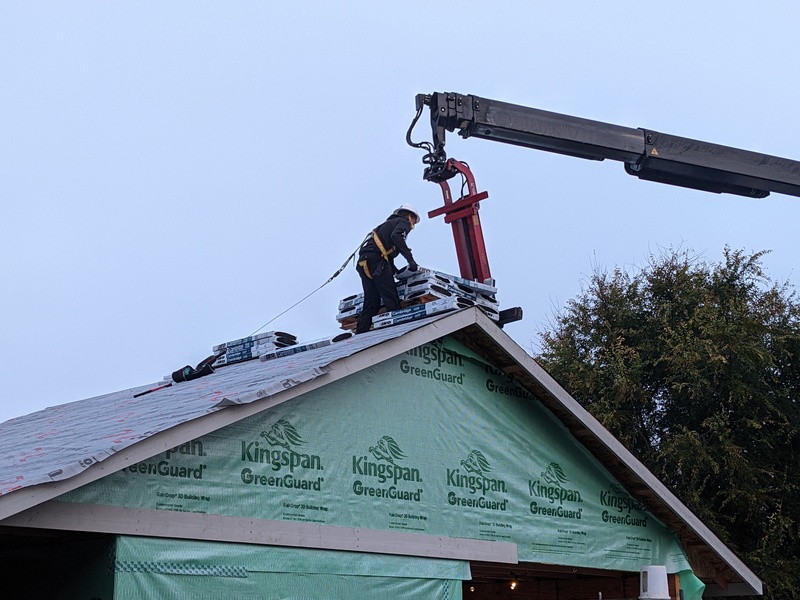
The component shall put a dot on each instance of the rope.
(331, 278)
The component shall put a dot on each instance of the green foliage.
(695, 367)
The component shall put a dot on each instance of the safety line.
(331, 278)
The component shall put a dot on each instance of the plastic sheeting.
(177, 569)
(691, 586)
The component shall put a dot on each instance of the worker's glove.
(413, 266)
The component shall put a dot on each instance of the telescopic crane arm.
(647, 154)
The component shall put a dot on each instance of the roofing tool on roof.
(188, 373)
(155, 389)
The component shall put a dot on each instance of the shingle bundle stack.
(313, 345)
(253, 346)
(418, 311)
(424, 287)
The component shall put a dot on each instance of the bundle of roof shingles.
(266, 346)
(252, 346)
(424, 293)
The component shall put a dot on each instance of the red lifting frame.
(463, 215)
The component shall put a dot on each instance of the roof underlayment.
(61, 441)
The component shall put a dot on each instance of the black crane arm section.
(648, 155)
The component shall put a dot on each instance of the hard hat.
(408, 208)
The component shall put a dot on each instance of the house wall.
(435, 441)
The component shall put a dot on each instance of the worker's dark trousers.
(380, 287)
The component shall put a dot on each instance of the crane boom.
(647, 154)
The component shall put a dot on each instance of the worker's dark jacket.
(392, 234)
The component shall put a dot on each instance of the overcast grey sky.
(175, 174)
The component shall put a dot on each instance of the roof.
(50, 452)
(60, 442)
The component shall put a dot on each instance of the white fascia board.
(216, 528)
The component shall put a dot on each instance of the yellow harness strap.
(365, 268)
(381, 248)
(386, 254)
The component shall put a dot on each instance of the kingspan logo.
(386, 470)
(283, 439)
(439, 363)
(387, 449)
(551, 486)
(435, 353)
(165, 468)
(475, 479)
(286, 455)
(283, 434)
(626, 510)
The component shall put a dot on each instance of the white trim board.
(216, 528)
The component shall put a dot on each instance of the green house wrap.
(178, 569)
(433, 441)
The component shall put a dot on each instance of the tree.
(695, 367)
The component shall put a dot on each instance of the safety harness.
(381, 248)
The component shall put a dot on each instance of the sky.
(176, 174)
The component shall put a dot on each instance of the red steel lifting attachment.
(463, 216)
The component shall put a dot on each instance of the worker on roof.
(376, 263)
